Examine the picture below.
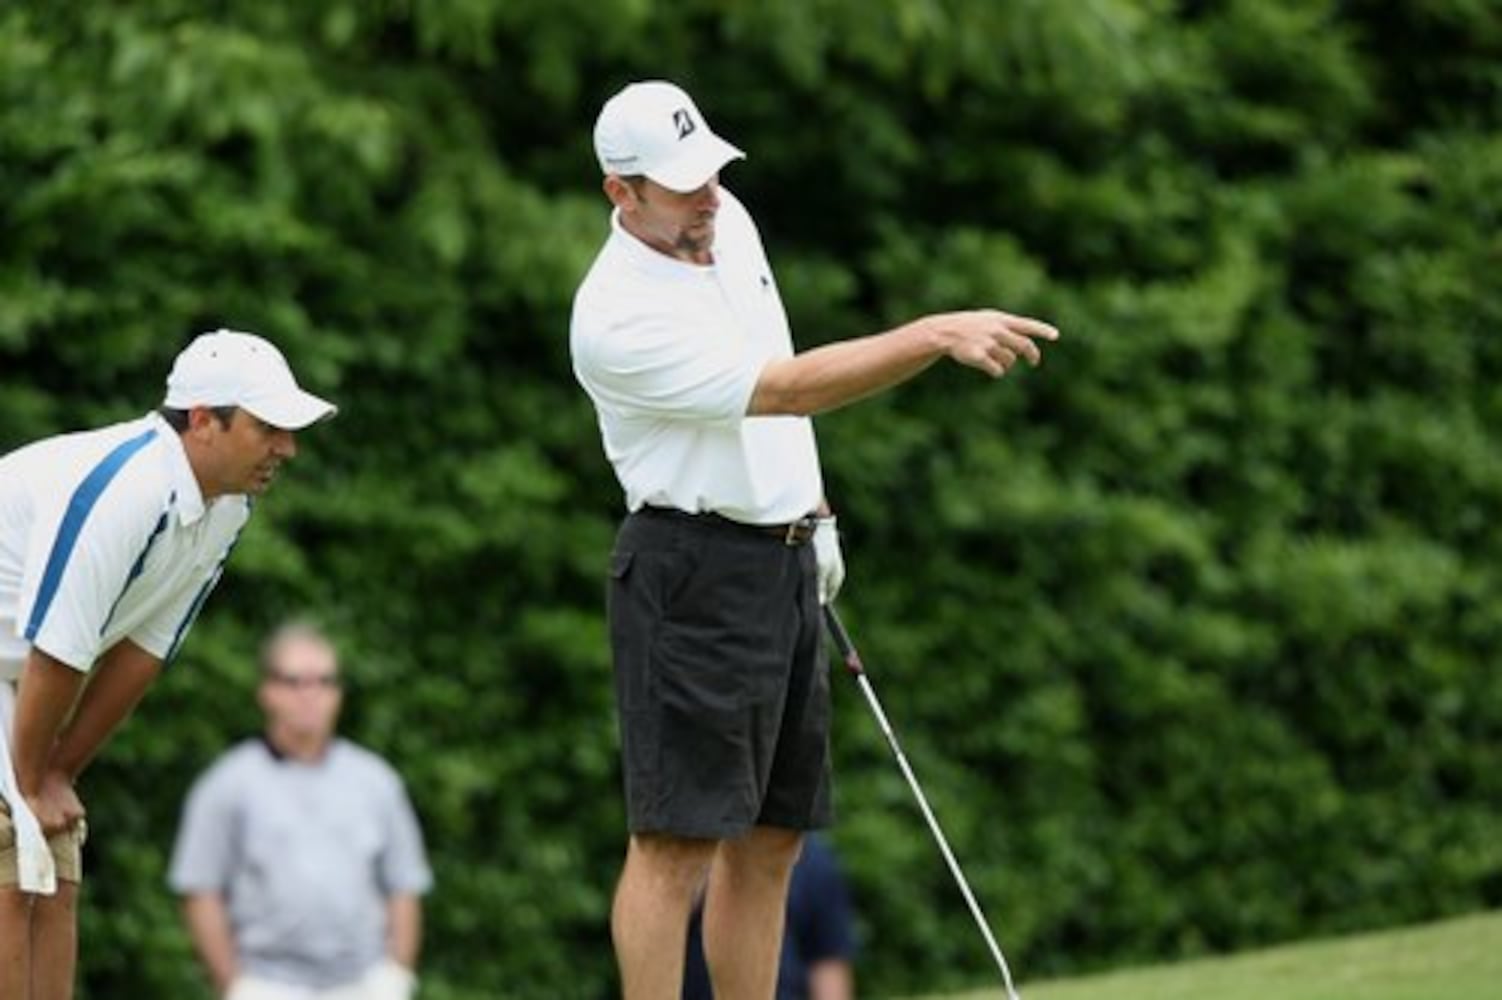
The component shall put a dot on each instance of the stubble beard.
(697, 245)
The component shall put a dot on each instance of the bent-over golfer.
(110, 541)
(680, 339)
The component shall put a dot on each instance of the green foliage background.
(1190, 633)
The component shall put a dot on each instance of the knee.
(61, 904)
(782, 847)
(766, 852)
(674, 865)
(14, 904)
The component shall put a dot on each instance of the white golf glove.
(831, 561)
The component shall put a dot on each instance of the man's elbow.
(777, 404)
(778, 395)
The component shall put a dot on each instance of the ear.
(621, 194)
(200, 418)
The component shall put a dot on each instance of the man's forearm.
(843, 372)
(835, 374)
(120, 679)
(208, 925)
(47, 691)
(404, 928)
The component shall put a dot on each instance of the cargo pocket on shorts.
(630, 631)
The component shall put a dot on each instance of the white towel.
(37, 873)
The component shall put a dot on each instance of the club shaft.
(853, 663)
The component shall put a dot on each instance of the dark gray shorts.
(722, 685)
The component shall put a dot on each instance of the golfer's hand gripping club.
(853, 664)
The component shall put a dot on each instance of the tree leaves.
(1187, 631)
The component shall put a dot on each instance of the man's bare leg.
(15, 944)
(649, 921)
(54, 943)
(745, 907)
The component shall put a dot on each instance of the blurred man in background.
(110, 541)
(729, 545)
(299, 859)
(818, 942)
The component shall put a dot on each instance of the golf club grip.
(842, 639)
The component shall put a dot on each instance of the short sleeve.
(403, 863)
(80, 558)
(163, 633)
(654, 366)
(203, 857)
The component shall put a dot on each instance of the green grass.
(1459, 959)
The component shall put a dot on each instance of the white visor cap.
(229, 368)
(654, 128)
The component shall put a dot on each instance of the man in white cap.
(110, 541)
(729, 545)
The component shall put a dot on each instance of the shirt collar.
(281, 757)
(654, 262)
(186, 496)
(271, 748)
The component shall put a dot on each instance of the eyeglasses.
(327, 681)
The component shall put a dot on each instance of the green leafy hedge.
(1189, 634)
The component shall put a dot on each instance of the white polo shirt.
(104, 535)
(670, 353)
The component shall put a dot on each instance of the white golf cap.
(654, 128)
(229, 368)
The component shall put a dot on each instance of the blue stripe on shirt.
(200, 597)
(79, 507)
(135, 571)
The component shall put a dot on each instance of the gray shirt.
(305, 856)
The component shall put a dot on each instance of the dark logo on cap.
(684, 123)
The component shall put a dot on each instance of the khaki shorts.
(67, 851)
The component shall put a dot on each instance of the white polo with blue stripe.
(104, 536)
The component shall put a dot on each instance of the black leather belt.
(798, 532)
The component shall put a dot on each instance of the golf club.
(853, 664)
